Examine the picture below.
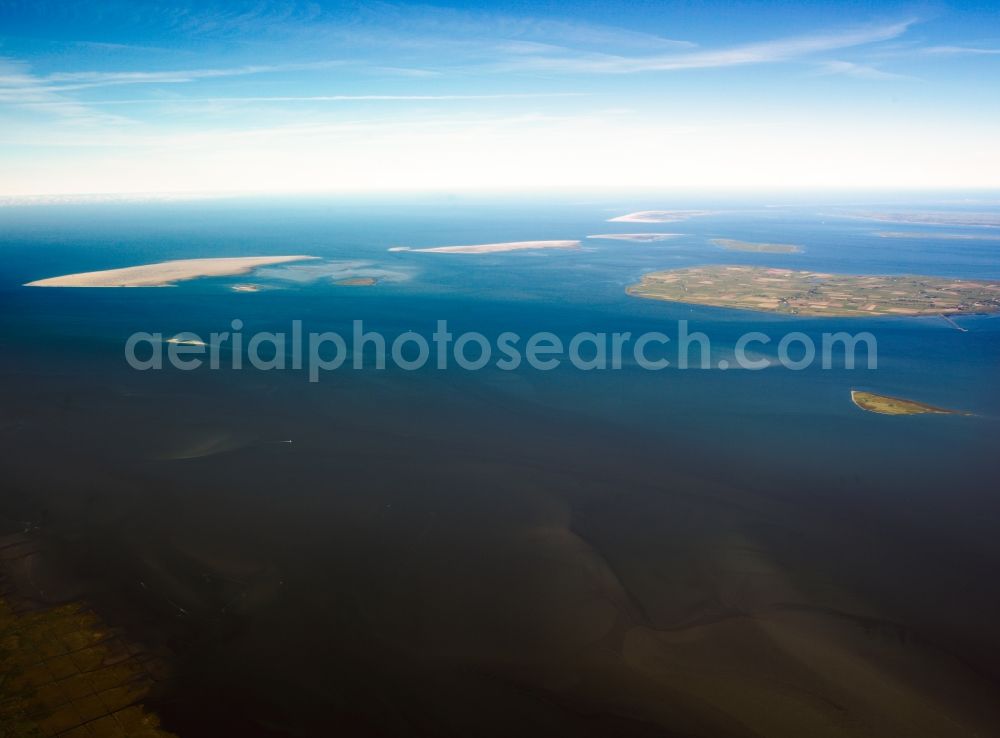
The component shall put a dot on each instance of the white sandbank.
(166, 273)
(657, 216)
(186, 341)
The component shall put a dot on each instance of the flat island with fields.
(731, 244)
(166, 273)
(815, 293)
(886, 405)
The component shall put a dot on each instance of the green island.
(794, 292)
(731, 244)
(886, 405)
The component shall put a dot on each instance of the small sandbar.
(178, 341)
(637, 237)
(815, 293)
(886, 405)
(492, 248)
(166, 273)
(731, 244)
(658, 216)
(357, 282)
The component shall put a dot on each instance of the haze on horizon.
(314, 97)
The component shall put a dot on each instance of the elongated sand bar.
(658, 216)
(491, 248)
(166, 273)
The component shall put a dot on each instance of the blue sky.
(130, 97)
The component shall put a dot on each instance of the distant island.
(639, 237)
(357, 282)
(658, 216)
(941, 236)
(815, 293)
(886, 405)
(491, 248)
(947, 218)
(731, 244)
(166, 273)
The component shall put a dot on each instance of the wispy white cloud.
(424, 25)
(518, 44)
(88, 79)
(115, 47)
(52, 92)
(861, 71)
(407, 71)
(316, 133)
(777, 50)
(515, 46)
(22, 89)
(958, 50)
(314, 99)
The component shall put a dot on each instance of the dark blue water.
(350, 534)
